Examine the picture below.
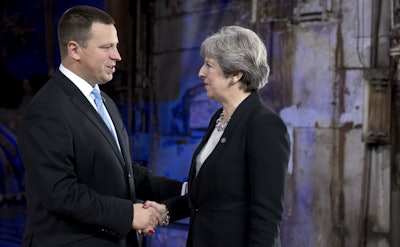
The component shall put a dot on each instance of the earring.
(232, 82)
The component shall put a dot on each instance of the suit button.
(129, 175)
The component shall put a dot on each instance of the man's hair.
(76, 23)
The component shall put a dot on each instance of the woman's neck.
(232, 103)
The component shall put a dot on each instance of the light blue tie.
(98, 100)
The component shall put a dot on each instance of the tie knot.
(96, 94)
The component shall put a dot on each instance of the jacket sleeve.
(161, 189)
(150, 186)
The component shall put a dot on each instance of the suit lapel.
(123, 142)
(240, 115)
(93, 116)
(119, 126)
(192, 171)
(80, 101)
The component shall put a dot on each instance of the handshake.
(147, 216)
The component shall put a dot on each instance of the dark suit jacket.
(79, 186)
(236, 199)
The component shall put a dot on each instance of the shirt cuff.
(183, 190)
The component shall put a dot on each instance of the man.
(81, 185)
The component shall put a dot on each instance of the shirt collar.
(83, 85)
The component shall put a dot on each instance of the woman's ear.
(237, 76)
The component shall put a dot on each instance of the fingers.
(145, 218)
(148, 216)
(161, 208)
(158, 217)
(147, 231)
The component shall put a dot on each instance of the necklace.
(219, 125)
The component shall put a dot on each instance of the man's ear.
(74, 50)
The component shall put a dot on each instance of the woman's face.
(214, 79)
(98, 59)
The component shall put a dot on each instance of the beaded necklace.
(219, 125)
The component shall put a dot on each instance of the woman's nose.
(201, 74)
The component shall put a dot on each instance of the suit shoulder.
(262, 113)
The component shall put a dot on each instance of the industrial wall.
(332, 82)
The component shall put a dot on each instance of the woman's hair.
(76, 23)
(238, 49)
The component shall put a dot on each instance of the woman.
(237, 177)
